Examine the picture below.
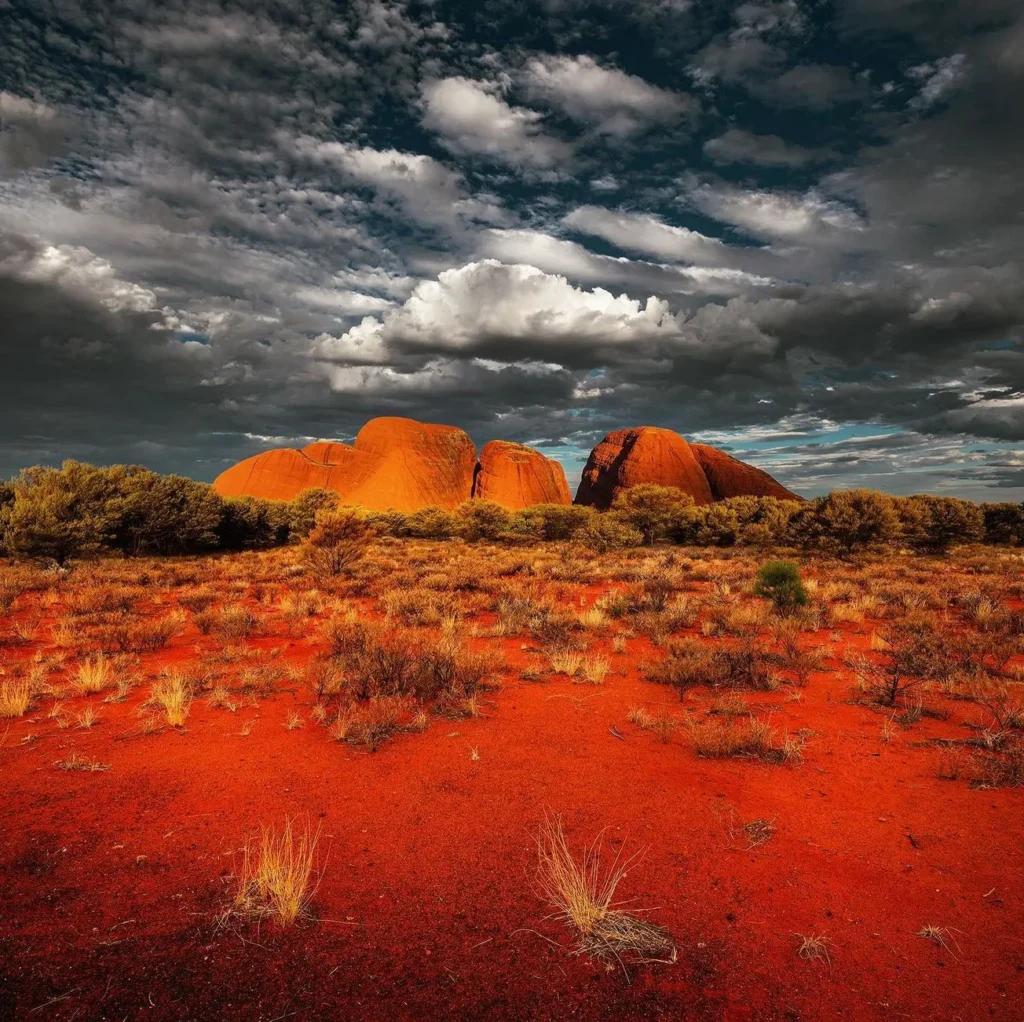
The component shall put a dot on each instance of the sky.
(794, 229)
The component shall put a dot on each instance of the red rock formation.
(729, 477)
(517, 476)
(394, 463)
(643, 454)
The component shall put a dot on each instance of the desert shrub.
(304, 508)
(752, 738)
(156, 514)
(714, 525)
(1004, 523)
(907, 658)
(376, 660)
(846, 521)
(432, 523)
(762, 521)
(937, 523)
(373, 722)
(656, 512)
(337, 544)
(691, 662)
(250, 524)
(605, 532)
(62, 513)
(556, 522)
(482, 520)
(780, 582)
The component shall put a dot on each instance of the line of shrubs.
(79, 510)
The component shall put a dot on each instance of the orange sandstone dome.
(647, 454)
(394, 463)
(729, 477)
(404, 464)
(643, 454)
(517, 476)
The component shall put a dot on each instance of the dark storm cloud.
(233, 224)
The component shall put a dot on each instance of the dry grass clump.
(566, 661)
(148, 635)
(378, 660)
(661, 726)
(754, 739)
(173, 694)
(813, 947)
(15, 697)
(279, 876)
(582, 892)
(76, 762)
(691, 662)
(93, 675)
(373, 722)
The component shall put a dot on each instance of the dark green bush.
(780, 582)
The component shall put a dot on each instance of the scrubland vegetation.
(374, 634)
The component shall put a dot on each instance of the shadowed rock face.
(517, 476)
(729, 477)
(643, 454)
(394, 463)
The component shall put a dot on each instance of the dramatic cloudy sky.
(794, 229)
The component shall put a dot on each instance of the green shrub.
(606, 532)
(780, 582)
(1004, 523)
(656, 512)
(305, 507)
(337, 543)
(846, 521)
(937, 523)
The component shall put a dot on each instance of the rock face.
(517, 476)
(394, 463)
(729, 477)
(643, 454)
(407, 465)
(646, 454)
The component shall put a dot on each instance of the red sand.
(109, 882)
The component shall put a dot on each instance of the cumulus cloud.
(472, 117)
(614, 102)
(487, 305)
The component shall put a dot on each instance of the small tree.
(780, 582)
(656, 512)
(847, 520)
(337, 543)
(605, 532)
(1004, 523)
(305, 507)
(935, 524)
(62, 513)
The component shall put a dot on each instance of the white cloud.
(806, 219)
(647, 234)
(616, 102)
(471, 117)
(939, 79)
(490, 300)
(425, 188)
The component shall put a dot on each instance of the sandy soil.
(110, 882)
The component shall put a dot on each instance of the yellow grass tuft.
(582, 891)
(173, 693)
(15, 698)
(93, 675)
(279, 875)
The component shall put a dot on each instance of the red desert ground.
(447, 745)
